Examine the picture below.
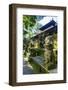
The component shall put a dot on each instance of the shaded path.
(26, 68)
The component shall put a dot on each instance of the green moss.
(37, 52)
(52, 66)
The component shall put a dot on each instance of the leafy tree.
(31, 25)
(29, 21)
(30, 28)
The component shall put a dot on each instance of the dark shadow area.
(26, 68)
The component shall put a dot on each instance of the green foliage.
(55, 41)
(31, 25)
(51, 66)
(29, 21)
(50, 53)
(37, 52)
